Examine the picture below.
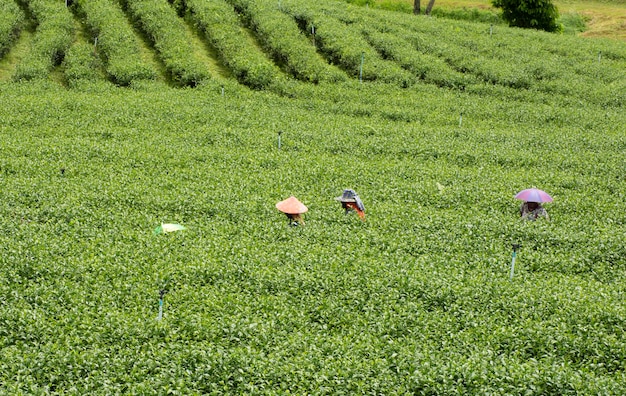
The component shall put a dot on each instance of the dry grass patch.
(604, 19)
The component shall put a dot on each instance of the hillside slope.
(436, 124)
(269, 45)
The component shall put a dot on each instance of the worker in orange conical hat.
(293, 209)
(350, 201)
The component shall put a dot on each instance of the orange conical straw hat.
(291, 205)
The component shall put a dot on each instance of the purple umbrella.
(533, 195)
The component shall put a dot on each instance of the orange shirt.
(353, 205)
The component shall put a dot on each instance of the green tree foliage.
(535, 14)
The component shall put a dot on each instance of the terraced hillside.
(267, 44)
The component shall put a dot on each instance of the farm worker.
(350, 201)
(531, 208)
(293, 209)
(532, 211)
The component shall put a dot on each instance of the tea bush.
(282, 38)
(424, 65)
(416, 299)
(166, 31)
(81, 64)
(53, 37)
(222, 28)
(116, 41)
(344, 46)
(11, 19)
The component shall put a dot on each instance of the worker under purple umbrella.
(531, 209)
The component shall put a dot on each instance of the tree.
(416, 7)
(535, 14)
(429, 7)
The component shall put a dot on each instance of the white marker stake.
(513, 265)
(161, 295)
(222, 91)
(515, 246)
(361, 68)
(279, 133)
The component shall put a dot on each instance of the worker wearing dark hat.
(350, 201)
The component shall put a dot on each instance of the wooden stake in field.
(279, 143)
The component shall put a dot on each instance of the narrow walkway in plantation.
(83, 36)
(20, 48)
(148, 53)
(206, 53)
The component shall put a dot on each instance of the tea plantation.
(117, 116)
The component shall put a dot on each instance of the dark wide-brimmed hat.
(350, 195)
